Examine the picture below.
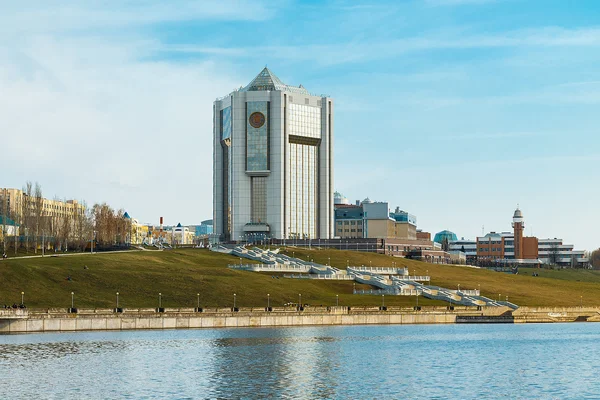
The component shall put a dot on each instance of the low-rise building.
(514, 248)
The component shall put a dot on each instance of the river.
(342, 362)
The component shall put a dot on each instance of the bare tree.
(27, 217)
(4, 214)
(595, 259)
(554, 254)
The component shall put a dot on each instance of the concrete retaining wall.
(57, 320)
(30, 322)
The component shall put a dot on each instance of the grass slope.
(180, 274)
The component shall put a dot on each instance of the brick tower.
(518, 225)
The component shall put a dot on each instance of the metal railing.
(271, 267)
(322, 276)
(381, 270)
(391, 292)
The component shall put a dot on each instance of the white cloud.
(52, 16)
(369, 51)
(92, 118)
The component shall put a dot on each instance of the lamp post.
(417, 299)
(580, 301)
(198, 295)
(160, 300)
(234, 296)
(299, 300)
(329, 260)
(240, 261)
(268, 301)
(458, 288)
(117, 299)
(22, 297)
(337, 300)
(383, 300)
(72, 300)
(293, 254)
(498, 296)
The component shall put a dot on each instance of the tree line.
(38, 225)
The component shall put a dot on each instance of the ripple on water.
(424, 361)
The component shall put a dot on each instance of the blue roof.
(126, 215)
(7, 221)
(445, 235)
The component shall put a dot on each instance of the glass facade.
(305, 121)
(259, 199)
(226, 123)
(257, 139)
(303, 190)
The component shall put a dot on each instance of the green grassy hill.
(180, 274)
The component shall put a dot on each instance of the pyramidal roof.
(266, 80)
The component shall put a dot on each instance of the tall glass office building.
(273, 162)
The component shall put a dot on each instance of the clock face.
(257, 119)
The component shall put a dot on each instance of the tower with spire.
(272, 162)
(518, 225)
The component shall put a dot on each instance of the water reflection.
(434, 361)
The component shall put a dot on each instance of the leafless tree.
(595, 259)
(554, 254)
(27, 213)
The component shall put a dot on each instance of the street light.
(160, 300)
(22, 297)
(268, 301)
(383, 300)
(299, 300)
(581, 301)
(458, 288)
(72, 300)
(240, 261)
(337, 300)
(198, 295)
(117, 299)
(329, 260)
(234, 296)
(498, 296)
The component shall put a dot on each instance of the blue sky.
(454, 110)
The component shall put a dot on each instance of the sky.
(454, 110)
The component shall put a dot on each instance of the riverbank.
(61, 320)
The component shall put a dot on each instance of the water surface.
(394, 361)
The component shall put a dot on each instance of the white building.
(469, 247)
(273, 162)
(553, 251)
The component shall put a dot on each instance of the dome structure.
(518, 214)
(445, 235)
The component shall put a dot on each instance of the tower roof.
(266, 80)
(518, 214)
